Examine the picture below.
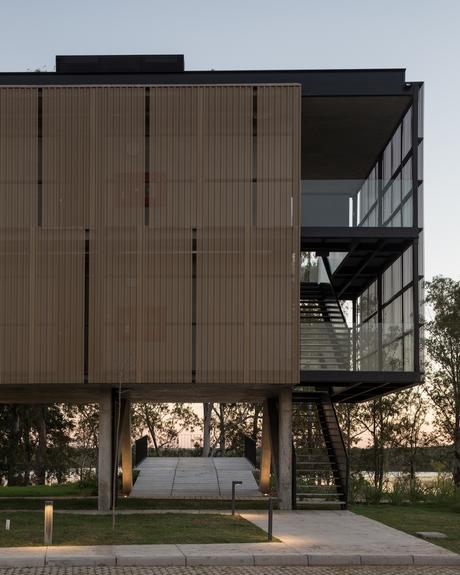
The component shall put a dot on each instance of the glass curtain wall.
(385, 333)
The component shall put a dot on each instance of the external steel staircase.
(319, 455)
(324, 334)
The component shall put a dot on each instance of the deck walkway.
(163, 477)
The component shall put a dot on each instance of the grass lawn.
(69, 529)
(63, 490)
(88, 503)
(418, 517)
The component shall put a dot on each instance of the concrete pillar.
(104, 466)
(266, 459)
(125, 447)
(285, 449)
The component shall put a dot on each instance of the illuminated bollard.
(234, 484)
(48, 527)
(270, 519)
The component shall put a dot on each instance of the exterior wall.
(149, 234)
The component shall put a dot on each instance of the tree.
(443, 347)
(412, 433)
(232, 421)
(34, 443)
(164, 421)
(380, 418)
(85, 434)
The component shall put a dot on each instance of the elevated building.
(210, 236)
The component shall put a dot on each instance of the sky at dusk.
(419, 35)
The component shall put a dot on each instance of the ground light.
(48, 525)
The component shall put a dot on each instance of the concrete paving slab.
(22, 556)
(316, 559)
(97, 555)
(217, 554)
(343, 533)
(437, 559)
(385, 559)
(431, 534)
(149, 555)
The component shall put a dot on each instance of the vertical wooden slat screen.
(142, 235)
(113, 302)
(166, 322)
(166, 307)
(93, 157)
(18, 208)
(57, 313)
(18, 157)
(68, 156)
(14, 305)
(223, 215)
(275, 238)
(119, 157)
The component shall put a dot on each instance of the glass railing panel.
(359, 203)
(329, 346)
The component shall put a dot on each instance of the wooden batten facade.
(149, 234)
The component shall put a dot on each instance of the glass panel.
(406, 178)
(407, 266)
(421, 254)
(407, 133)
(396, 221)
(421, 104)
(420, 162)
(396, 192)
(393, 353)
(407, 213)
(408, 314)
(396, 150)
(387, 168)
(409, 352)
(387, 204)
(420, 206)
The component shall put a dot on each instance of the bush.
(442, 489)
(402, 490)
(405, 490)
(361, 490)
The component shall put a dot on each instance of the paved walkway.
(163, 477)
(231, 571)
(343, 536)
(308, 538)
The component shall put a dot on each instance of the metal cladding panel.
(165, 354)
(275, 237)
(174, 164)
(223, 216)
(113, 304)
(93, 157)
(18, 157)
(15, 295)
(247, 317)
(149, 235)
(57, 306)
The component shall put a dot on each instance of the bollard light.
(270, 519)
(48, 527)
(234, 484)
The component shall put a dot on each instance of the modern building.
(171, 235)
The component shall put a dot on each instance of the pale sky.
(422, 36)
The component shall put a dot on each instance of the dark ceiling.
(343, 136)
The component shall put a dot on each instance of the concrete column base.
(104, 467)
(125, 447)
(266, 459)
(285, 449)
